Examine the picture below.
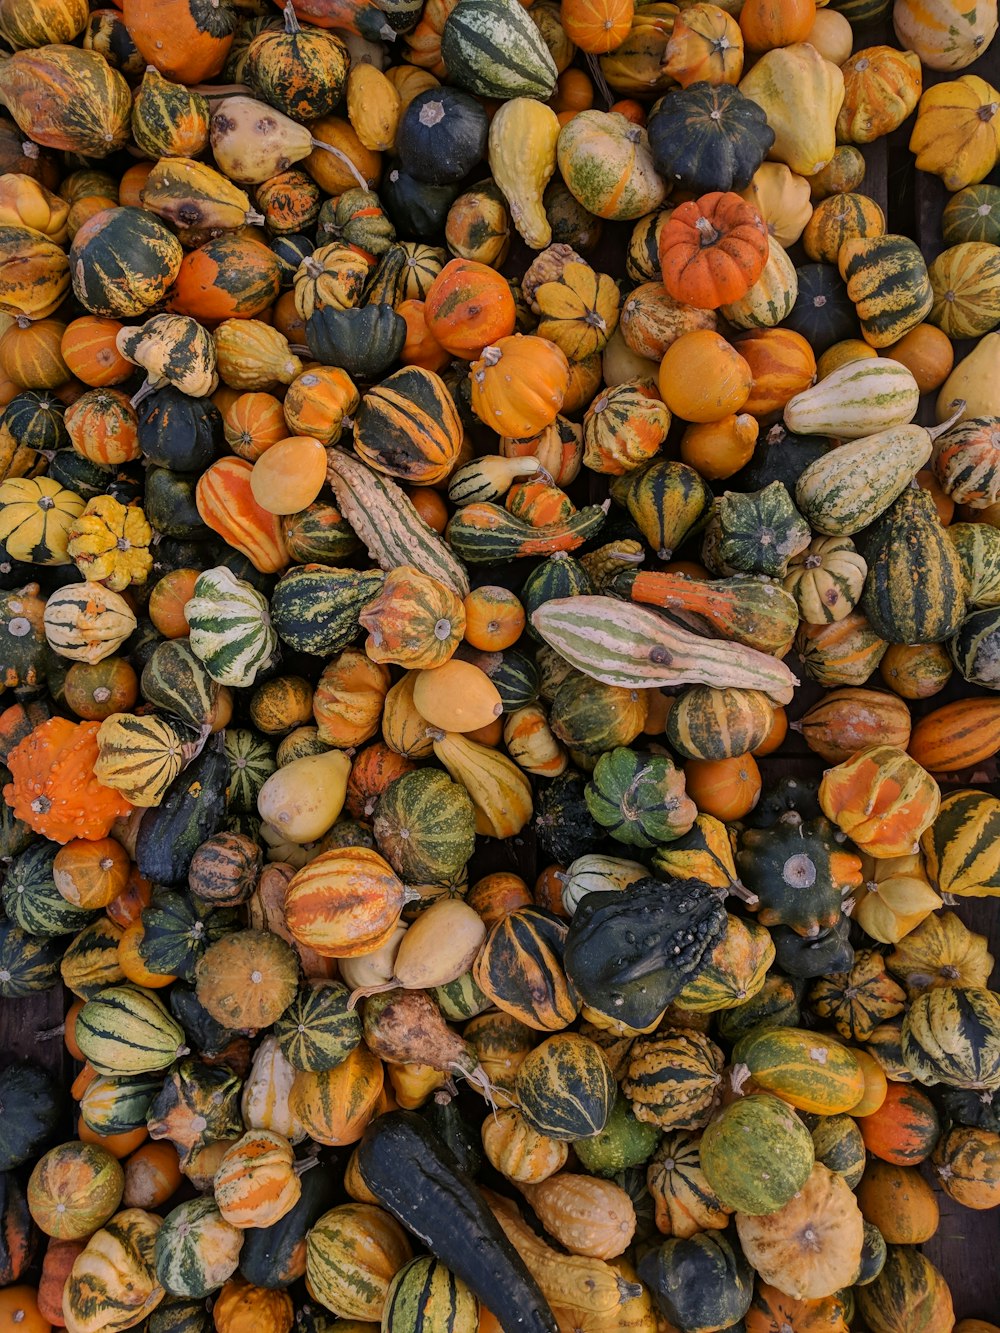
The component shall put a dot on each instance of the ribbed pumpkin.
(256, 1184)
(409, 427)
(952, 1036)
(322, 914)
(882, 799)
(352, 1254)
(247, 979)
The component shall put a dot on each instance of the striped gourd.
(196, 1249)
(460, 999)
(118, 1105)
(520, 968)
(32, 901)
(810, 1071)
(488, 533)
(685, 1202)
(126, 1030)
(315, 608)
(90, 964)
(175, 681)
(887, 280)
(756, 1154)
(596, 873)
(488, 478)
(344, 903)
(978, 547)
(850, 719)
(28, 963)
(845, 652)
(957, 735)
(735, 971)
(230, 628)
(673, 1078)
(425, 1295)
(408, 426)
(334, 1106)
(706, 723)
(839, 1147)
(264, 1102)
(256, 1183)
(87, 622)
(848, 488)
(668, 502)
(405, 273)
(352, 1254)
(113, 1285)
(826, 579)
(915, 590)
(771, 298)
(962, 846)
(975, 648)
(319, 1029)
(855, 400)
(492, 48)
(966, 283)
(425, 826)
(251, 763)
(387, 523)
(621, 644)
(839, 218)
(139, 756)
(704, 853)
(951, 1035)
(565, 1087)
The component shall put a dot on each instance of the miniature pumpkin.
(712, 250)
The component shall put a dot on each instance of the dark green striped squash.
(975, 647)
(706, 723)
(978, 547)
(191, 810)
(668, 502)
(486, 533)
(31, 899)
(639, 798)
(952, 1036)
(776, 1004)
(591, 717)
(178, 928)
(318, 533)
(319, 1029)
(704, 1277)
(90, 963)
(251, 763)
(196, 1249)
(405, 272)
(973, 214)
(28, 963)
(178, 431)
(515, 676)
(888, 282)
(175, 681)
(460, 999)
(275, 1256)
(123, 260)
(908, 1295)
(119, 1105)
(565, 1088)
(915, 589)
(962, 846)
(126, 1030)
(520, 968)
(491, 48)
(315, 608)
(408, 427)
(35, 421)
(425, 1295)
(364, 341)
(839, 1146)
(560, 575)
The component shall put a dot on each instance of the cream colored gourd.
(264, 1100)
(620, 364)
(855, 401)
(945, 34)
(832, 36)
(370, 970)
(303, 799)
(587, 1216)
(439, 946)
(457, 697)
(252, 142)
(522, 158)
(488, 478)
(801, 94)
(975, 382)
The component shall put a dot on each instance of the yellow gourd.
(957, 131)
(373, 107)
(304, 798)
(456, 697)
(522, 157)
(782, 199)
(974, 381)
(499, 790)
(801, 94)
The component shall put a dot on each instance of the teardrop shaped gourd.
(303, 799)
(369, 971)
(488, 478)
(457, 696)
(592, 1217)
(289, 476)
(856, 400)
(252, 142)
(522, 157)
(439, 946)
(973, 387)
(500, 792)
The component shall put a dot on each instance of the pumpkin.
(113, 1282)
(53, 787)
(766, 25)
(772, 1310)
(712, 251)
(74, 1189)
(247, 979)
(71, 97)
(123, 260)
(940, 36)
(706, 45)
(899, 1202)
(256, 1185)
(882, 799)
(909, 1294)
(102, 426)
(881, 87)
(839, 218)
(301, 71)
(519, 384)
(702, 377)
(241, 1307)
(965, 1163)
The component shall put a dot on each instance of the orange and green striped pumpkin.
(957, 735)
(408, 427)
(904, 1129)
(334, 1106)
(74, 1189)
(113, 1285)
(256, 1183)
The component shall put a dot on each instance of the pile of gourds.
(357, 525)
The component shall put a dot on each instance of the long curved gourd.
(622, 644)
(413, 1174)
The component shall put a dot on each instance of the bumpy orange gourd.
(54, 789)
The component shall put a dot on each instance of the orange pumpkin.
(782, 364)
(91, 353)
(102, 426)
(252, 423)
(19, 1312)
(329, 171)
(230, 277)
(319, 402)
(574, 92)
(596, 26)
(882, 799)
(152, 1175)
(132, 184)
(132, 901)
(53, 788)
(519, 384)
(495, 896)
(717, 449)
(712, 250)
(167, 602)
(703, 378)
(187, 40)
(226, 504)
(347, 703)
(766, 24)
(927, 353)
(899, 1201)
(118, 1145)
(725, 788)
(904, 1129)
(91, 874)
(467, 306)
(243, 1308)
(706, 46)
(95, 691)
(60, 1256)
(31, 354)
(429, 505)
(494, 618)
(421, 348)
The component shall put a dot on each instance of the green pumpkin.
(563, 824)
(90, 963)
(357, 218)
(28, 963)
(838, 1145)
(35, 421)
(460, 999)
(702, 1282)
(757, 1154)
(31, 899)
(591, 717)
(816, 956)
(178, 929)
(171, 505)
(565, 1088)
(204, 1033)
(888, 282)
(558, 576)
(118, 1105)
(668, 502)
(198, 1104)
(196, 1249)
(973, 214)
(319, 1029)
(915, 589)
(796, 871)
(175, 682)
(32, 1109)
(708, 138)
(319, 533)
(624, 1142)
(639, 798)
(706, 723)
(315, 608)
(177, 431)
(776, 1004)
(759, 533)
(364, 341)
(823, 312)
(251, 762)
(425, 826)
(230, 628)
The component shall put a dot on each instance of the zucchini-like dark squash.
(190, 812)
(413, 1174)
(275, 1256)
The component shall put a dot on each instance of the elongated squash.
(621, 644)
(856, 400)
(743, 609)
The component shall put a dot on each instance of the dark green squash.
(91, 960)
(275, 1256)
(178, 929)
(915, 589)
(31, 1110)
(175, 682)
(975, 647)
(708, 137)
(559, 575)
(251, 763)
(364, 341)
(799, 872)
(28, 963)
(814, 956)
(31, 899)
(200, 1028)
(800, 795)
(776, 1004)
(179, 432)
(181, 1316)
(36, 421)
(565, 1087)
(889, 274)
(441, 135)
(515, 676)
(444, 1115)
(290, 251)
(761, 531)
(823, 312)
(418, 209)
(973, 214)
(319, 1029)
(874, 1252)
(191, 810)
(425, 826)
(702, 1283)
(319, 533)
(356, 217)
(639, 798)
(170, 504)
(563, 824)
(315, 608)
(122, 261)
(119, 1105)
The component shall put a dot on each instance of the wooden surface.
(967, 1246)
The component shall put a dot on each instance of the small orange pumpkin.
(882, 799)
(712, 250)
(782, 364)
(91, 353)
(468, 306)
(102, 426)
(519, 385)
(596, 26)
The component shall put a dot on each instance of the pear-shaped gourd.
(439, 946)
(855, 400)
(488, 478)
(522, 156)
(252, 142)
(849, 487)
(303, 798)
(975, 383)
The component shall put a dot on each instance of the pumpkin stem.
(305, 1164)
(363, 992)
(959, 407)
(739, 890)
(343, 158)
(707, 233)
(254, 219)
(477, 1076)
(738, 1078)
(291, 19)
(147, 388)
(49, 1034)
(491, 355)
(628, 1291)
